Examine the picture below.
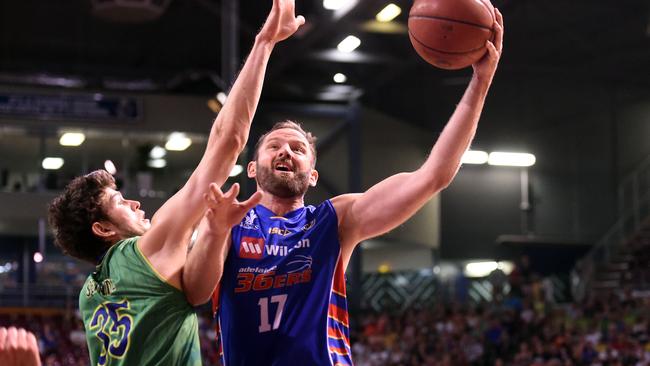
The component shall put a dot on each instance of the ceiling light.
(38, 257)
(340, 78)
(157, 163)
(511, 159)
(157, 152)
(72, 139)
(349, 44)
(474, 157)
(236, 170)
(480, 269)
(110, 167)
(333, 4)
(221, 97)
(178, 141)
(52, 163)
(390, 12)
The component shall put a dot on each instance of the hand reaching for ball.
(485, 68)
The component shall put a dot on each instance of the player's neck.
(280, 206)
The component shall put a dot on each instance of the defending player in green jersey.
(113, 301)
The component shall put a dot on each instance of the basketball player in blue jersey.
(281, 295)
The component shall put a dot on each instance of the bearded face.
(282, 183)
(284, 164)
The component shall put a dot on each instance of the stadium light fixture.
(484, 268)
(157, 163)
(333, 4)
(178, 141)
(72, 139)
(511, 159)
(157, 152)
(340, 78)
(236, 170)
(38, 257)
(387, 14)
(474, 157)
(110, 167)
(52, 163)
(349, 44)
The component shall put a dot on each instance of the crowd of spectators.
(613, 331)
(520, 326)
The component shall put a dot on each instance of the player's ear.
(251, 169)
(313, 177)
(102, 229)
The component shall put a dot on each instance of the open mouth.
(282, 167)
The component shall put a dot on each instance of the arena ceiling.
(61, 43)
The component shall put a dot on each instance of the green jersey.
(133, 317)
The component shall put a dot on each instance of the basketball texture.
(451, 34)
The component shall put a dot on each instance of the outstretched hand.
(224, 211)
(485, 68)
(282, 21)
(18, 347)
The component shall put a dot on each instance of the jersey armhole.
(336, 216)
(153, 269)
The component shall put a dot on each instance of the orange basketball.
(451, 34)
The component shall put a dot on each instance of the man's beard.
(282, 185)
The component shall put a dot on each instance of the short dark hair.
(72, 214)
(294, 126)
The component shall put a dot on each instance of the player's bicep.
(386, 205)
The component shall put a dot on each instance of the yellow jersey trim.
(146, 260)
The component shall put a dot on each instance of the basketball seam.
(489, 11)
(494, 19)
(451, 20)
(445, 52)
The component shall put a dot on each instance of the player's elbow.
(237, 141)
(197, 295)
(444, 180)
(197, 300)
(438, 180)
(197, 292)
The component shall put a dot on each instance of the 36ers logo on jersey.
(251, 248)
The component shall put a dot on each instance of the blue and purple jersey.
(281, 300)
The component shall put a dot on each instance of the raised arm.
(166, 242)
(394, 200)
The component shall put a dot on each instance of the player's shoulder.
(342, 203)
(323, 208)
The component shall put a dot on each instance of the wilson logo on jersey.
(251, 248)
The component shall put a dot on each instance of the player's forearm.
(230, 131)
(204, 266)
(232, 125)
(444, 161)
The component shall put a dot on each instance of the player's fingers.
(216, 192)
(12, 338)
(300, 20)
(498, 16)
(252, 201)
(22, 354)
(492, 50)
(11, 346)
(499, 30)
(209, 213)
(232, 192)
(32, 344)
(3, 338)
(4, 358)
